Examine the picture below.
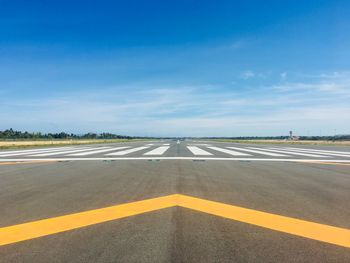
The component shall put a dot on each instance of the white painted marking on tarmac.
(259, 152)
(174, 158)
(36, 149)
(158, 151)
(231, 152)
(333, 153)
(298, 153)
(129, 151)
(25, 152)
(64, 152)
(198, 151)
(166, 144)
(199, 144)
(150, 144)
(99, 151)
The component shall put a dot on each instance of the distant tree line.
(11, 134)
(301, 138)
(328, 138)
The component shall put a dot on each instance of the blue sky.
(176, 68)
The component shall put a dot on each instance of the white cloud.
(190, 110)
(318, 88)
(247, 75)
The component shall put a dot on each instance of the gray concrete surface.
(313, 192)
(179, 151)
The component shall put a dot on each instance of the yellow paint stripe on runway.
(59, 224)
(346, 164)
(320, 232)
(316, 231)
(24, 162)
(8, 163)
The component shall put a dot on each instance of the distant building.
(293, 137)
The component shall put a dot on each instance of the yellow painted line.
(320, 232)
(8, 163)
(59, 224)
(24, 162)
(329, 234)
(346, 164)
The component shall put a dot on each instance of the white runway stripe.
(198, 151)
(334, 153)
(129, 151)
(296, 153)
(99, 151)
(259, 151)
(166, 144)
(36, 149)
(321, 161)
(158, 151)
(25, 152)
(231, 152)
(63, 152)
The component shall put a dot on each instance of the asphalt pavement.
(58, 182)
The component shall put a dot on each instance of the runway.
(179, 151)
(164, 201)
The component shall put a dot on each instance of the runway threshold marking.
(320, 232)
(198, 151)
(292, 160)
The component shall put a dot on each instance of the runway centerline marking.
(320, 232)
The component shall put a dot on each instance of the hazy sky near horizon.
(176, 68)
